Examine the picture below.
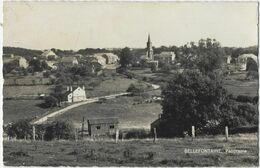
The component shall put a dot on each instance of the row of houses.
(93, 62)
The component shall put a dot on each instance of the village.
(132, 84)
(61, 95)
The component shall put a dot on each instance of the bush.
(21, 129)
(244, 99)
(245, 129)
(58, 130)
(137, 134)
(50, 101)
(252, 75)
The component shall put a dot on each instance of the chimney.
(71, 88)
(68, 88)
(83, 87)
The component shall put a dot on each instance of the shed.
(102, 126)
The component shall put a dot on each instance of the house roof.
(254, 57)
(165, 54)
(48, 53)
(69, 59)
(9, 59)
(109, 120)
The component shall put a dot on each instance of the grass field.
(236, 84)
(14, 110)
(111, 85)
(165, 152)
(130, 115)
(16, 91)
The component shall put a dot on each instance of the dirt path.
(61, 111)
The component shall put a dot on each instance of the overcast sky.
(75, 25)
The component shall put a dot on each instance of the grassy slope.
(14, 110)
(131, 116)
(165, 152)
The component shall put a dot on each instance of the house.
(102, 126)
(52, 63)
(110, 58)
(246, 61)
(49, 55)
(227, 59)
(69, 61)
(165, 57)
(17, 60)
(98, 58)
(75, 94)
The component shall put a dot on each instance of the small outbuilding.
(102, 126)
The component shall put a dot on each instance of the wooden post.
(33, 132)
(192, 132)
(117, 135)
(76, 134)
(154, 135)
(82, 129)
(226, 132)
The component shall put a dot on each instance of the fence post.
(154, 135)
(226, 132)
(82, 129)
(117, 135)
(192, 132)
(76, 134)
(33, 132)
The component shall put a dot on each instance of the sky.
(77, 25)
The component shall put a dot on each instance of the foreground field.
(131, 114)
(165, 152)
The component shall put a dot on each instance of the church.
(150, 59)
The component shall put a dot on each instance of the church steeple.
(149, 40)
(149, 48)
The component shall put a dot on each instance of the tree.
(207, 56)
(58, 130)
(51, 101)
(192, 98)
(21, 129)
(126, 57)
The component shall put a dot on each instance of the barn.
(102, 126)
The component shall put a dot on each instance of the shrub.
(252, 75)
(21, 129)
(58, 130)
(244, 99)
(137, 134)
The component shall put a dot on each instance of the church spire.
(149, 49)
(149, 40)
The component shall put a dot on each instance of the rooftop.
(110, 120)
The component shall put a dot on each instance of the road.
(88, 101)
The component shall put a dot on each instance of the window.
(111, 126)
(98, 127)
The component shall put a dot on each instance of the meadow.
(164, 152)
(130, 111)
(14, 110)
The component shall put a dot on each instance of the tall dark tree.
(126, 57)
(192, 98)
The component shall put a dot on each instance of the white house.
(242, 60)
(48, 54)
(75, 95)
(165, 57)
(19, 60)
